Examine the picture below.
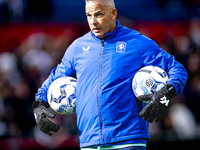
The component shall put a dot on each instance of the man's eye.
(98, 15)
(88, 15)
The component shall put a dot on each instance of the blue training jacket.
(107, 110)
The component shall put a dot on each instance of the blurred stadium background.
(34, 35)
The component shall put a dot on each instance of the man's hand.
(41, 112)
(156, 109)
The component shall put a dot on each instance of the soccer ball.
(61, 95)
(148, 80)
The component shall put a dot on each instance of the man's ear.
(113, 13)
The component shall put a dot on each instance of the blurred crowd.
(183, 119)
(22, 71)
(63, 10)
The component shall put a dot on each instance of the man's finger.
(145, 113)
(48, 125)
(45, 131)
(48, 113)
(153, 115)
(160, 116)
(147, 97)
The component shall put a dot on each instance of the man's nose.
(93, 20)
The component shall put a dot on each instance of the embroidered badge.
(120, 47)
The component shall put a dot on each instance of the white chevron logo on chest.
(86, 49)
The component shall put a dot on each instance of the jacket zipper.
(99, 92)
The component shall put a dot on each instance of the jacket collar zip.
(110, 34)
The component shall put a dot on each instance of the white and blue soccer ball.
(61, 95)
(148, 80)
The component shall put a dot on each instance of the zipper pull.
(102, 42)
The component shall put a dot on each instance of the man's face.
(100, 18)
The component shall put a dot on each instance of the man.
(105, 60)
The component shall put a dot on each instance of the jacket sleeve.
(65, 68)
(152, 54)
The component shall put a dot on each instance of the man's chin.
(99, 35)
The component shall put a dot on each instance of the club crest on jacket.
(120, 47)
